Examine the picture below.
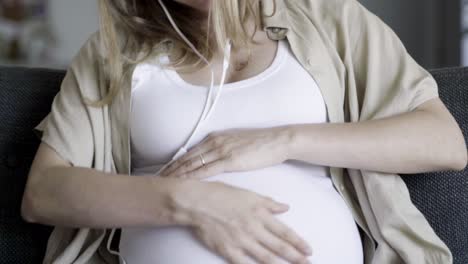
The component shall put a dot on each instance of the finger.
(190, 155)
(195, 166)
(210, 142)
(282, 231)
(232, 255)
(259, 252)
(188, 166)
(280, 247)
(274, 206)
(210, 169)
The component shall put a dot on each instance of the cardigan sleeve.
(388, 79)
(68, 128)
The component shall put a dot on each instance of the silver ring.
(202, 160)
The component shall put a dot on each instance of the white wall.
(71, 22)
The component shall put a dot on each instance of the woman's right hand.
(234, 222)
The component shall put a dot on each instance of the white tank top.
(165, 110)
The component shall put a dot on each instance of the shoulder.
(330, 10)
(91, 50)
(341, 21)
(86, 71)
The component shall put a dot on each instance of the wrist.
(179, 202)
(288, 139)
(168, 206)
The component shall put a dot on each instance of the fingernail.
(308, 250)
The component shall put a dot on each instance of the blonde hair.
(129, 28)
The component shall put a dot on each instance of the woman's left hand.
(232, 150)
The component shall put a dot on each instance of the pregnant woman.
(268, 99)
(219, 150)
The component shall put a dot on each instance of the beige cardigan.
(363, 71)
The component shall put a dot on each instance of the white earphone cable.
(206, 111)
(227, 51)
(176, 28)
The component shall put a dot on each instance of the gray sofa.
(25, 98)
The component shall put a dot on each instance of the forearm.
(407, 143)
(84, 197)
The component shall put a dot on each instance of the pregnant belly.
(316, 212)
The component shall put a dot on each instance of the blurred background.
(48, 33)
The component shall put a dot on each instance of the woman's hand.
(235, 222)
(232, 150)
